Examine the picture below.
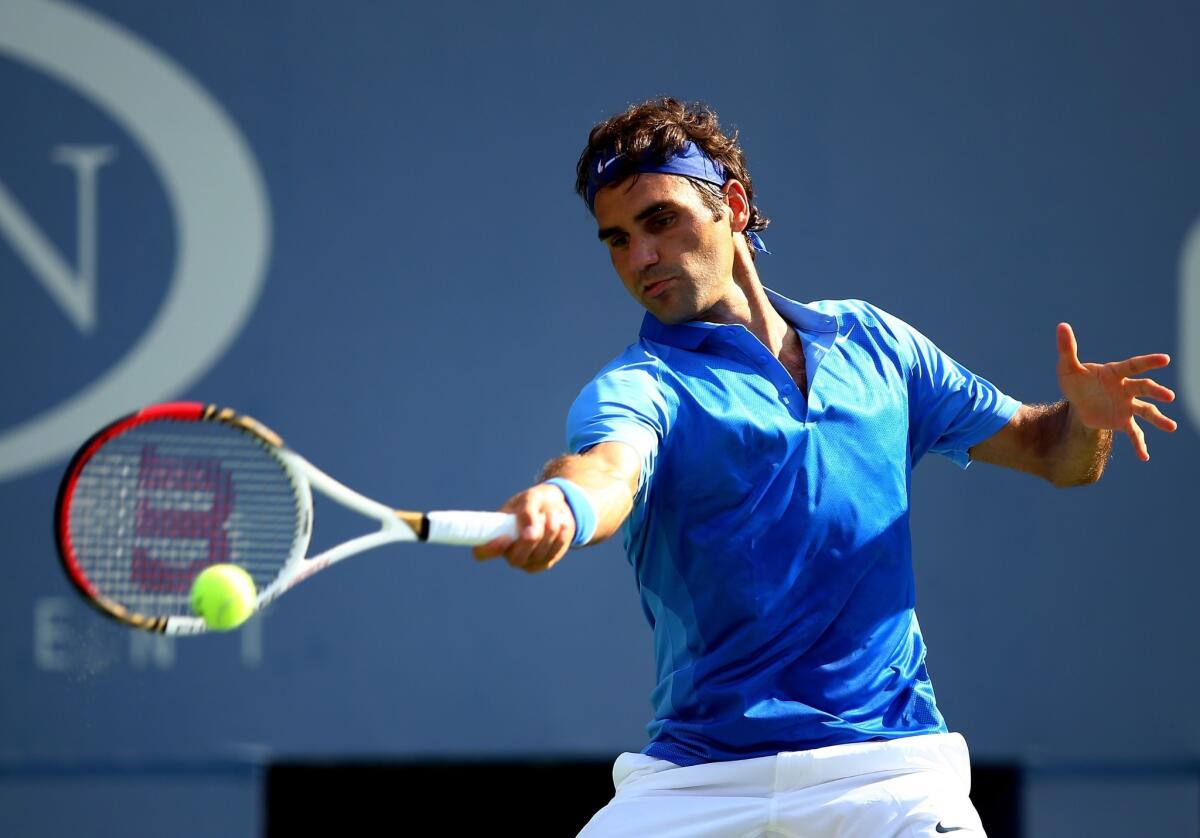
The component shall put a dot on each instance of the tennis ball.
(224, 595)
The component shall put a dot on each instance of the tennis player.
(756, 454)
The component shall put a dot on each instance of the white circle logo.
(1189, 323)
(218, 204)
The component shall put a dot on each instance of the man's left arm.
(1068, 443)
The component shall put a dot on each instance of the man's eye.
(663, 220)
(618, 241)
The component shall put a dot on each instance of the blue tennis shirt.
(770, 533)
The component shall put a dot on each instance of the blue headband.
(689, 161)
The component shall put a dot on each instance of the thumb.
(1068, 350)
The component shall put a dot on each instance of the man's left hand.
(1107, 396)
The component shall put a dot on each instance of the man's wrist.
(581, 508)
(1084, 451)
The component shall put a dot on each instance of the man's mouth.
(657, 287)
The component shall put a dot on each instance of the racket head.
(157, 496)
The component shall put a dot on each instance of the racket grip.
(469, 528)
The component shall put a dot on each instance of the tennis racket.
(157, 496)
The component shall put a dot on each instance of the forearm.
(1063, 450)
(606, 481)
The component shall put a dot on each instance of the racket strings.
(157, 504)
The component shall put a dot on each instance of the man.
(757, 453)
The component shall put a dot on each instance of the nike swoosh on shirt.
(940, 828)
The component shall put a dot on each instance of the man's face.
(670, 254)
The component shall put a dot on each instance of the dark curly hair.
(657, 129)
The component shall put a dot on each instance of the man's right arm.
(607, 473)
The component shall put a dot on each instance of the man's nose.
(643, 252)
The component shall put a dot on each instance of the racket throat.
(416, 521)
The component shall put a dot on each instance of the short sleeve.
(625, 403)
(950, 408)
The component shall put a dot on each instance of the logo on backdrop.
(218, 206)
(1189, 323)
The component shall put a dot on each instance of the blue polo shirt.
(770, 533)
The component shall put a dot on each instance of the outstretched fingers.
(1111, 395)
(1138, 439)
(1138, 364)
(1153, 415)
(1149, 389)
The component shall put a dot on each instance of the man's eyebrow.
(653, 209)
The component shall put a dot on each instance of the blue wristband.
(581, 508)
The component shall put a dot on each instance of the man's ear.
(739, 205)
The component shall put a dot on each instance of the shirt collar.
(690, 335)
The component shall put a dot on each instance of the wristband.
(581, 508)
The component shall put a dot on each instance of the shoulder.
(623, 402)
(866, 322)
(858, 312)
(637, 365)
(634, 379)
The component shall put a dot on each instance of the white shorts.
(914, 786)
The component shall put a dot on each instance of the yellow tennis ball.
(224, 596)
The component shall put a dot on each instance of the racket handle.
(469, 528)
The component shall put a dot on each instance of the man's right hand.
(545, 527)
(607, 473)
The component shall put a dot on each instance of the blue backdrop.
(356, 223)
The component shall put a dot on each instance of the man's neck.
(748, 304)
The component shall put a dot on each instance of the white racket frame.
(443, 527)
